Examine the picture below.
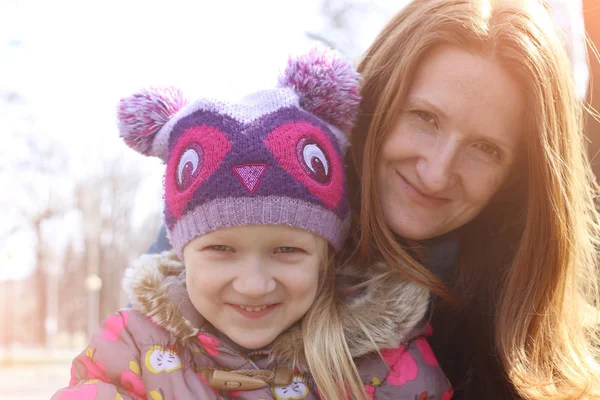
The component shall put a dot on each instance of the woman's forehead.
(471, 91)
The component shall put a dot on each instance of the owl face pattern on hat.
(276, 157)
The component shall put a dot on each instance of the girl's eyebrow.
(293, 240)
(296, 240)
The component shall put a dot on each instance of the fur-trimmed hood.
(379, 310)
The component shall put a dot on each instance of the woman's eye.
(286, 250)
(489, 149)
(425, 116)
(221, 247)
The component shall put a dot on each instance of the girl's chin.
(248, 343)
(255, 339)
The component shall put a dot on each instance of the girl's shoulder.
(380, 309)
(410, 371)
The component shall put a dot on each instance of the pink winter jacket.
(162, 349)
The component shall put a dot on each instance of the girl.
(255, 207)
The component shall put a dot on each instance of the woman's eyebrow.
(423, 102)
(418, 101)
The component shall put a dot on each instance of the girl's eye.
(286, 250)
(489, 149)
(425, 116)
(221, 247)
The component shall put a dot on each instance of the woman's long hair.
(526, 289)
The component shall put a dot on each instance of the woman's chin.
(412, 229)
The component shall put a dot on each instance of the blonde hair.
(325, 346)
(528, 279)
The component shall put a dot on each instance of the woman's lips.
(418, 197)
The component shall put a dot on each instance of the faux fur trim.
(151, 283)
(379, 309)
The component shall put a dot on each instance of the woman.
(470, 137)
(469, 158)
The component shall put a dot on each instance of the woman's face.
(453, 144)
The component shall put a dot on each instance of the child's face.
(254, 282)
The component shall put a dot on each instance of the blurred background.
(76, 205)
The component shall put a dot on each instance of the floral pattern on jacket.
(156, 350)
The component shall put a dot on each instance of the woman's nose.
(436, 167)
(254, 280)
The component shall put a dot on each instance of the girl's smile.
(254, 312)
(253, 282)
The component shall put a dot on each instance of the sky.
(69, 62)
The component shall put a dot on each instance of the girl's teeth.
(253, 309)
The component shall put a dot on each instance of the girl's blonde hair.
(527, 286)
(325, 347)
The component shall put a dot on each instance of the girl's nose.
(254, 280)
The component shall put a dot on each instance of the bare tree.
(344, 23)
(71, 292)
(105, 237)
(338, 33)
(33, 202)
(107, 203)
(40, 273)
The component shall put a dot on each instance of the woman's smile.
(452, 146)
(417, 196)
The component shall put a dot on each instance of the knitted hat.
(274, 158)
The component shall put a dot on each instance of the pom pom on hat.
(142, 114)
(326, 84)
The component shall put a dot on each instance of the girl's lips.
(418, 197)
(249, 312)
